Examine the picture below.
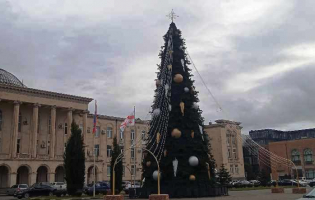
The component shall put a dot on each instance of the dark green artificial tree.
(74, 161)
(264, 177)
(118, 167)
(176, 135)
(224, 176)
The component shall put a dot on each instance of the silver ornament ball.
(186, 89)
(193, 161)
(155, 175)
(195, 106)
(156, 112)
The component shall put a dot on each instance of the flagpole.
(134, 160)
(94, 174)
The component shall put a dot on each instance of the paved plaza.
(237, 195)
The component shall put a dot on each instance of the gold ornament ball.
(178, 78)
(176, 133)
(192, 178)
(148, 163)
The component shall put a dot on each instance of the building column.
(33, 178)
(34, 129)
(12, 179)
(69, 121)
(52, 131)
(85, 113)
(15, 123)
(51, 177)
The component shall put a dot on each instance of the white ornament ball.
(156, 112)
(166, 87)
(193, 161)
(155, 175)
(195, 106)
(170, 108)
(186, 89)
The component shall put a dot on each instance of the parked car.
(38, 189)
(255, 183)
(61, 188)
(308, 196)
(287, 182)
(312, 183)
(100, 188)
(131, 186)
(15, 188)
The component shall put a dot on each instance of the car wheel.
(26, 195)
(51, 194)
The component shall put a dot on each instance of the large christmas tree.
(176, 134)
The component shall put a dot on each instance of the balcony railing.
(4, 156)
(297, 162)
(23, 156)
(308, 162)
(43, 156)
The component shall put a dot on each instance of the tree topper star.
(172, 15)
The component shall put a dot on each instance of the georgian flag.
(129, 121)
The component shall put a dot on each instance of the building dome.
(9, 79)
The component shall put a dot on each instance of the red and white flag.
(129, 121)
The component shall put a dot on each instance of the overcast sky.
(257, 57)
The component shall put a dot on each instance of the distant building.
(226, 143)
(268, 138)
(300, 152)
(265, 136)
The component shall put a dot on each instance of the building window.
(97, 149)
(121, 134)
(228, 140)
(121, 149)
(308, 156)
(109, 132)
(229, 153)
(310, 174)
(109, 151)
(236, 169)
(20, 122)
(143, 135)
(132, 153)
(295, 155)
(231, 169)
(234, 153)
(18, 146)
(48, 147)
(233, 140)
(133, 170)
(132, 134)
(97, 131)
(123, 170)
(108, 170)
(66, 128)
(0, 120)
(49, 125)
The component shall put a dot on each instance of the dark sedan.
(100, 188)
(312, 183)
(37, 189)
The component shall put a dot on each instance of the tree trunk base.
(113, 197)
(159, 197)
(298, 190)
(277, 190)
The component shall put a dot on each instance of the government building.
(36, 124)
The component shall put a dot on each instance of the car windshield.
(311, 194)
(59, 183)
(14, 186)
(23, 186)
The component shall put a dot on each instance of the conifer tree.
(176, 135)
(118, 167)
(74, 161)
(224, 176)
